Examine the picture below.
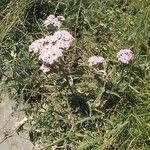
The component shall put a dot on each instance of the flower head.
(54, 21)
(36, 46)
(45, 68)
(51, 48)
(64, 39)
(50, 54)
(49, 20)
(63, 35)
(125, 56)
(94, 60)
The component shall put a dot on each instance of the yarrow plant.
(51, 48)
(125, 56)
(95, 60)
(54, 21)
(37, 46)
(45, 68)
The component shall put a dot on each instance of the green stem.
(67, 79)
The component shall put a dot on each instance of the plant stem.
(67, 79)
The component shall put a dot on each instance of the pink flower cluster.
(125, 56)
(95, 60)
(37, 45)
(45, 68)
(51, 48)
(54, 21)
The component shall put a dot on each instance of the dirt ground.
(10, 115)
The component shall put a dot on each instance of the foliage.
(110, 107)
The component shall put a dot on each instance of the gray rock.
(10, 114)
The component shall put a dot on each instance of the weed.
(110, 107)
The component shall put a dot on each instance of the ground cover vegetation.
(79, 104)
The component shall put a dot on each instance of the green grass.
(109, 112)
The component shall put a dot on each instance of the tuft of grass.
(12, 15)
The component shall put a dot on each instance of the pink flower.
(94, 60)
(49, 20)
(63, 44)
(54, 45)
(125, 56)
(50, 54)
(50, 39)
(36, 46)
(51, 48)
(64, 39)
(45, 68)
(54, 21)
(63, 35)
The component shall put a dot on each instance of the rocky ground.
(11, 120)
